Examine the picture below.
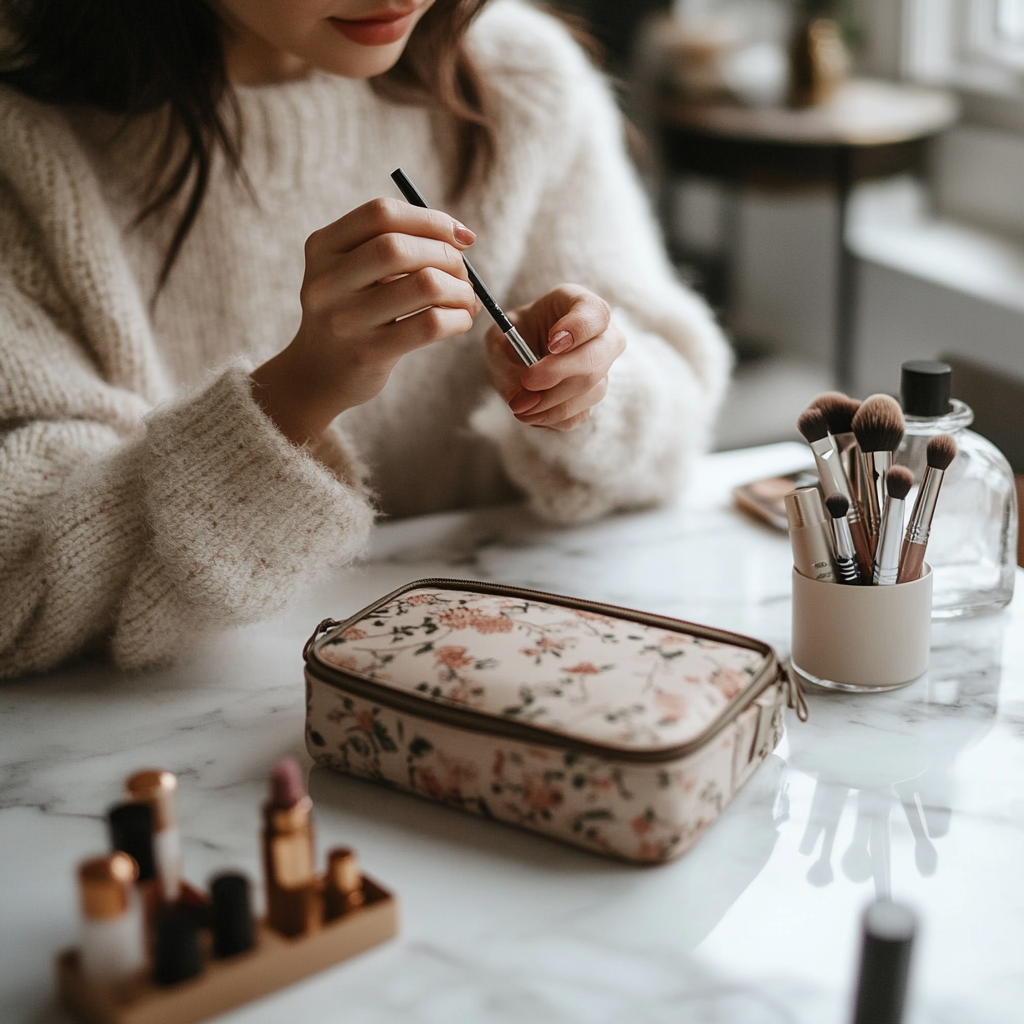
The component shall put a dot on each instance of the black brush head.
(838, 505)
(878, 425)
(941, 451)
(838, 409)
(811, 423)
(898, 482)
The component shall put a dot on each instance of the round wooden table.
(869, 129)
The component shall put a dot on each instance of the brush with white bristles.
(941, 452)
(898, 482)
(814, 427)
(878, 427)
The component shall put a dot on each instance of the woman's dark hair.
(135, 57)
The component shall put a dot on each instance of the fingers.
(587, 317)
(424, 288)
(381, 217)
(394, 253)
(570, 413)
(422, 328)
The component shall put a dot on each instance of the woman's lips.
(374, 31)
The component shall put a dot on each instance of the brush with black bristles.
(898, 482)
(812, 424)
(846, 556)
(941, 452)
(878, 427)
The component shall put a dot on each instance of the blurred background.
(844, 181)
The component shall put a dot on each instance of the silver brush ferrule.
(920, 526)
(524, 351)
(846, 558)
(830, 471)
(887, 554)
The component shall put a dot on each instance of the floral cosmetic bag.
(618, 731)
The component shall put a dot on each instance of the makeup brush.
(878, 426)
(812, 424)
(898, 482)
(839, 410)
(846, 556)
(941, 452)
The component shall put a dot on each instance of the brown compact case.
(619, 731)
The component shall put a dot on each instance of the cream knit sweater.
(143, 494)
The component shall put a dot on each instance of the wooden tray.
(275, 962)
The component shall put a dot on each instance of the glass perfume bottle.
(973, 545)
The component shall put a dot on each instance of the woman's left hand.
(571, 329)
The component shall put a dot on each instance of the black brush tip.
(941, 451)
(811, 423)
(838, 505)
(898, 482)
(878, 424)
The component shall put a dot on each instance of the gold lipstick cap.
(804, 508)
(104, 885)
(343, 874)
(156, 788)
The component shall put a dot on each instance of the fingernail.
(463, 234)
(524, 400)
(560, 342)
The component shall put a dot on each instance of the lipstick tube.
(157, 788)
(919, 529)
(293, 903)
(809, 535)
(113, 944)
(343, 884)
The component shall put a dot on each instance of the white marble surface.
(919, 793)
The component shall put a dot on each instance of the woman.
(192, 423)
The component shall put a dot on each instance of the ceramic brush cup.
(861, 639)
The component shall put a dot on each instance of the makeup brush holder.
(861, 639)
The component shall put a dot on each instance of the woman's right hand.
(383, 280)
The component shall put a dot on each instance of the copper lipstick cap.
(105, 885)
(156, 788)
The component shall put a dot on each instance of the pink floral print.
(604, 680)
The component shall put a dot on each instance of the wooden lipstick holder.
(273, 963)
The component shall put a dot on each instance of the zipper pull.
(322, 628)
(795, 698)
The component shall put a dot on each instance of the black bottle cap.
(131, 831)
(885, 963)
(924, 388)
(177, 955)
(232, 915)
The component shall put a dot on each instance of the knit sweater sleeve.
(592, 226)
(129, 523)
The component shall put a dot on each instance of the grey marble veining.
(918, 793)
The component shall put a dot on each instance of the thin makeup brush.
(812, 424)
(846, 556)
(941, 452)
(878, 427)
(898, 482)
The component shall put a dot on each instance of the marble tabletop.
(918, 794)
